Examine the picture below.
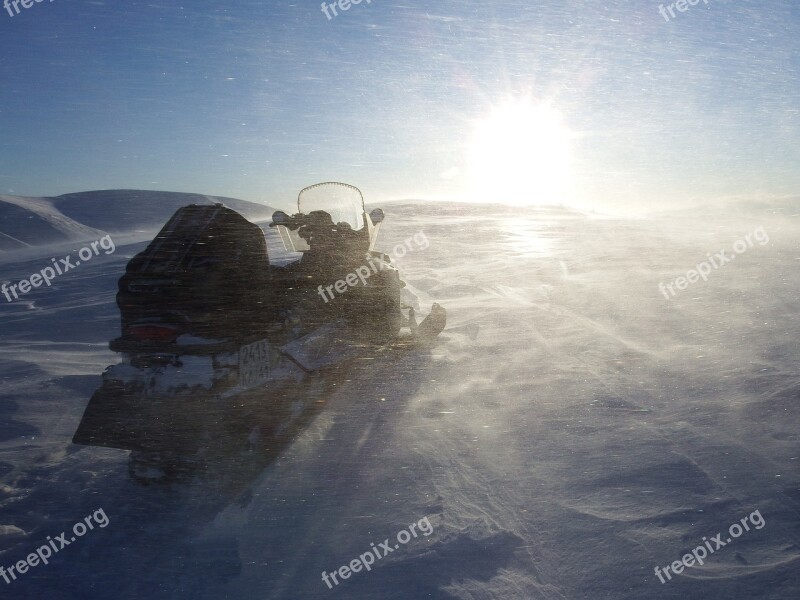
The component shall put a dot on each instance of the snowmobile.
(224, 351)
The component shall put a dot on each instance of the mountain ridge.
(27, 221)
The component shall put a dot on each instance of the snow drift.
(573, 430)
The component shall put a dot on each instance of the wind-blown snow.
(571, 430)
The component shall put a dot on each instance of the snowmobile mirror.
(377, 216)
(280, 218)
(286, 227)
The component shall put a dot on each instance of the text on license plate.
(254, 363)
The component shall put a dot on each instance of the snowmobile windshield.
(343, 202)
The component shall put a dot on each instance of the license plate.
(254, 363)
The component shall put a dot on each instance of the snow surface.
(571, 430)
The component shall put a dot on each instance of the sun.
(520, 155)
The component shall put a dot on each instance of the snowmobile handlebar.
(318, 218)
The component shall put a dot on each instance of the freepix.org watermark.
(59, 267)
(46, 551)
(703, 270)
(366, 560)
(681, 5)
(705, 549)
(343, 5)
(363, 272)
(8, 4)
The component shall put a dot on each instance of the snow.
(84, 216)
(572, 429)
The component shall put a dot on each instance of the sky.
(589, 103)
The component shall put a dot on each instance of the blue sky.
(256, 99)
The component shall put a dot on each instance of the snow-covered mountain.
(26, 222)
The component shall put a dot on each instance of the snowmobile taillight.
(152, 332)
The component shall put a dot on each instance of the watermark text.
(363, 272)
(366, 560)
(699, 554)
(59, 267)
(703, 269)
(343, 5)
(9, 4)
(681, 5)
(46, 551)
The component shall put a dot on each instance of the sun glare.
(519, 155)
